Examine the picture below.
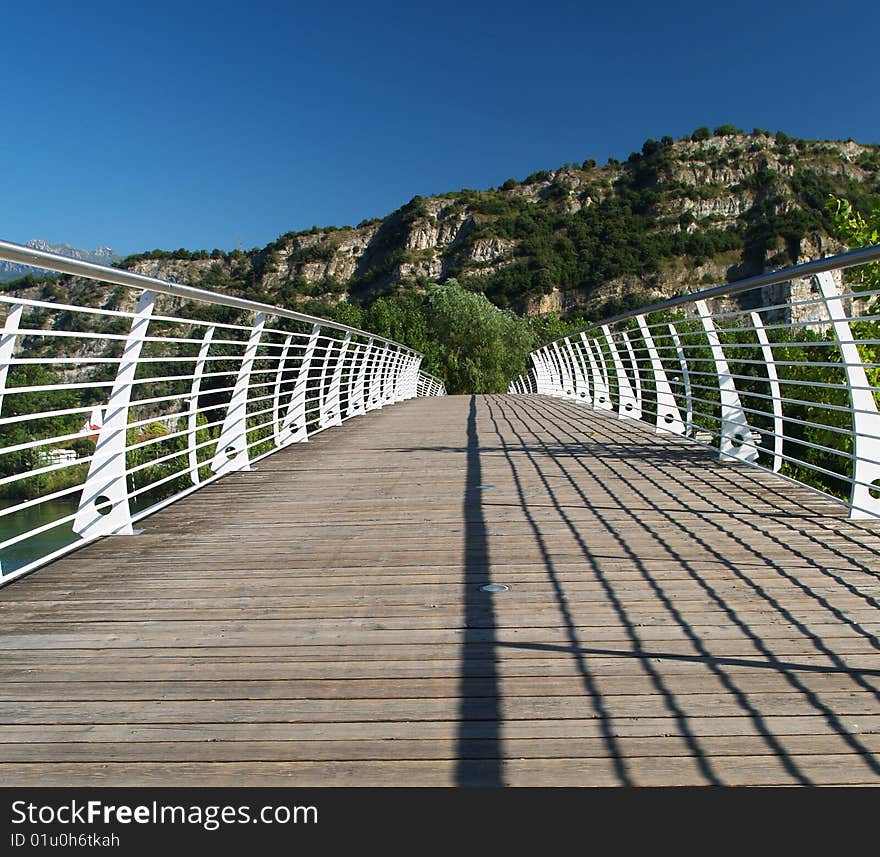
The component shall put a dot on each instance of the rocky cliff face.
(677, 217)
(757, 198)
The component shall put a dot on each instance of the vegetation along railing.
(779, 371)
(123, 393)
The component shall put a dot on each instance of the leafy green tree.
(480, 347)
(857, 230)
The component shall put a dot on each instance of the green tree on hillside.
(480, 347)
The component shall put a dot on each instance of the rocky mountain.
(582, 239)
(102, 256)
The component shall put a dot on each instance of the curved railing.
(429, 385)
(778, 371)
(123, 393)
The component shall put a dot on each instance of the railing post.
(558, 370)
(686, 382)
(601, 396)
(276, 397)
(581, 386)
(294, 429)
(668, 416)
(103, 507)
(384, 375)
(353, 370)
(7, 345)
(331, 412)
(604, 368)
(542, 373)
(390, 386)
(411, 376)
(865, 418)
(357, 391)
(627, 406)
(637, 375)
(192, 423)
(736, 434)
(567, 390)
(376, 370)
(775, 392)
(406, 377)
(232, 447)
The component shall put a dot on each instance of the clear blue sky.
(202, 124)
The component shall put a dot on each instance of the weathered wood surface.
(318, 621)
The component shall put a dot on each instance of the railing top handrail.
(23, 255)
(806, 269)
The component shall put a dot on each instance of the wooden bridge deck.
(318, 621)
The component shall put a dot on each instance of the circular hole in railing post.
(668, 418)
(583, 395)
(628, 406)
(874, 489)
(568, 392)
(230, 452)
(103, 505)
(738, 440)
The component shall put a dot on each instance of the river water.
(26, 551)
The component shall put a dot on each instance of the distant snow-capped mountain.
(102, 256)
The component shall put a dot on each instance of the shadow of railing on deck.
(661, 521)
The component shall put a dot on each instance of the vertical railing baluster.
(601, 395)
(7, 345)
(668, 416)
(637, 376)
(232, 447)
(331, 412)
(686, 382)
(567, 390)
(103, 507)
(736, 442)
(353, 404)
(581, 386)
(542, 373)
(775, 392)
(192, 422)
(865, 497)
(627, 406)
(374, 399)
(276, 395)
(295, 428)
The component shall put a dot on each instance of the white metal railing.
(116, 401)
(428, 385)
(786, 384)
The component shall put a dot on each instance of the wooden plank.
(849, 703)
(663, 771)
(860, 727)
(222, 667)
(453, 687)
(448, 748)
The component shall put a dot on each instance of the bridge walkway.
(670, 620)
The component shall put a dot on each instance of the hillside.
(584, 238)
